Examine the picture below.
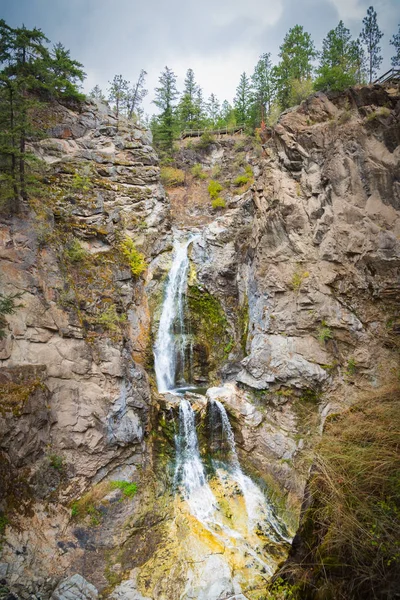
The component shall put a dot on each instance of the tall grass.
(348, 545)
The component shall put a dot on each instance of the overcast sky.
(218, 39)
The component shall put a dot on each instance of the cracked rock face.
(307, 266)
(77, 397)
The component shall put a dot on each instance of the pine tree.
(370, 36)
(339, 60)
(96, 93)
(65, 74)
(263, 84)
(29, 74)
(242, 100)
(117, 94)
(190, 105)
(395, 41)
(296, 54)
(136, 95)
(228, 115)
(213, 110)
(165, 125)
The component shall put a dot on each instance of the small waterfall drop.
(258, 510)
(189, 471)
(170, 346)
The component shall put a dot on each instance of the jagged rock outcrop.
(311, 255)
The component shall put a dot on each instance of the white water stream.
(244, 536)
(171, 338)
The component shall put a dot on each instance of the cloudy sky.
(219, 39)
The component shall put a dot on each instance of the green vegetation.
(350, 534)
(214, 188)
(298, 278)
(324, 333)
(205, 141)
(3, 523)
(382, 112)
(240, 180)
(209, 326)
(197, 171)
(8, 306)
(56, 461)
(75, 252)
(172, 177)
(218, 203)
(136, 259)
(128, 489)
(351, 367)
(31, 75)
(110, 319)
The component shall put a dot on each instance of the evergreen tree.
(135, 95)
(296, 54)
(190, 105)
(29, 74)
(339, 60)
(263, 84)
(370, 36)
(165, 125)
(213, 110)
(65, 73)
(118, 94)
(395, 41)
(228, 115)
(242, 100)
(96, 93)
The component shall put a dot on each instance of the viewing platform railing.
(221, 131)
(393, 75)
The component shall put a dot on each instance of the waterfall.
(189, 471)
(170, 346)
(258, 509)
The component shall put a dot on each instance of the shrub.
(56, 461)
(244, 179)
(75, 252)
(110, 319)
(8, 306)
(214, 188)
(218, 203)
(128, 489)
(382, 111)
(298, 279)
(135, 258)
(197, 171)
(172, 177)
(216, 171)
(205, 141)
(324, 333)
(351, 367)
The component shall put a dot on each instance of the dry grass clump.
(350, 534)
(172, 177)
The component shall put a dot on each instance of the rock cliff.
(76, 400)
(293, 305)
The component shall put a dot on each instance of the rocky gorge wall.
(75, 398)
(305, 264)
(293, 295)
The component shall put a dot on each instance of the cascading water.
(189, 472)
(258, 509)
(170, 346)
(221, 517)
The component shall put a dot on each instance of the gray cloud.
(217, 38)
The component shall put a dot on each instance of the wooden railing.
(221, 131)
(391, 75)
